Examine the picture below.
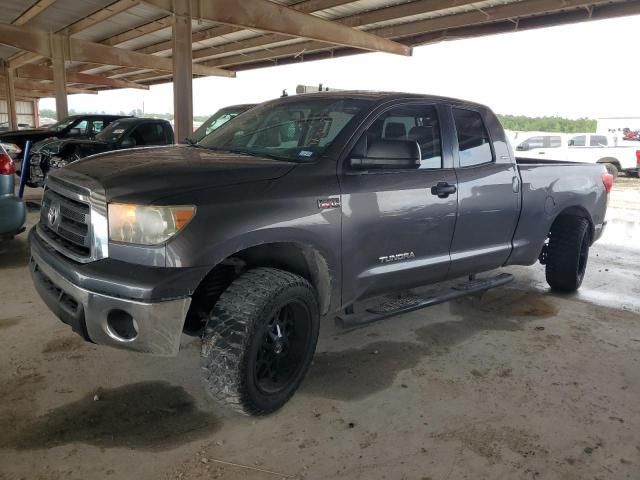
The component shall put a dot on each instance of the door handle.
(443, 189)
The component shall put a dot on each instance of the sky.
(583, 70)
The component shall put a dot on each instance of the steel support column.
(10, 92)
(182, 71)
(59, 76)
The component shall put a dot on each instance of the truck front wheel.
(260, 340)
(567, 253)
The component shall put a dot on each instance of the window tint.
(555, 142)
(598, 141)
(82, 126)
(578, 141)
(417, 123)
(98, 125)
(535, 142)
(149, 134)
(473, 140)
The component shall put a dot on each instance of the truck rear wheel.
(567, 253)
(260, 340)
(612, 169)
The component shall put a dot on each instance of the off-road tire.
(567, 253)
(235, 330)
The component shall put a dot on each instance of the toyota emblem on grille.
(53, 214)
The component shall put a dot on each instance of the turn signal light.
(7, 166)
(607, 181)
(638, 157)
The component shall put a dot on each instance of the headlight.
(147, 225)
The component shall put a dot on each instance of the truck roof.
(382, 96)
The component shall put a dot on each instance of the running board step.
(411, 303)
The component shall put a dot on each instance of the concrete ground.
(518, 384)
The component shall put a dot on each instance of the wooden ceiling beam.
(37, 72)
(33, 11)
(271, 17)
(83, 51)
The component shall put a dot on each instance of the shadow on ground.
(145, 416)
(357, 373)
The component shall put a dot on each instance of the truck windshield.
(216, 121)
(293, 130)
(61, 125)
(113, 132)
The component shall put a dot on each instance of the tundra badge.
(397, 257)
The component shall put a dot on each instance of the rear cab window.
(474, 145)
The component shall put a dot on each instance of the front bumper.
(153, 327)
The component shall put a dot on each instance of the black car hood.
(35, 133)
(146, 174)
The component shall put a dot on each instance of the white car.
(578, 147)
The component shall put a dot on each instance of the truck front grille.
(65, 222)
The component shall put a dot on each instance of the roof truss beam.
(83, 51)
(271, 17)
(37, 72)
(33, 11)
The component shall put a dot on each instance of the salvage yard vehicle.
(218, 119)
(124, 133)
(12, 209)
(82, 126)
(581, 147)
(298, 209)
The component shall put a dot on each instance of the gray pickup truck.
(297, 210)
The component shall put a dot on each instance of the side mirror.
(524, 146)
(74, 132)
(386, 154)
(572, 143)
(128, 142)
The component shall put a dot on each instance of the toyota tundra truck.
(300, 210)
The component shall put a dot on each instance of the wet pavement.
(519, 383)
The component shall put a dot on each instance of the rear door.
(488, 193)
(396, 233)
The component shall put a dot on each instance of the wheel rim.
(584, 256)
(284, 345)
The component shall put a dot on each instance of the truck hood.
(20, 135)
(55, 145)
(146, 174)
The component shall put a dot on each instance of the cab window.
(417, 123)
(598, 141)
(578, 141)
(474, 146)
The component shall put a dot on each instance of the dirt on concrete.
(518, 383)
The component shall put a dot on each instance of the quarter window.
(474, 146)
(598, 141)
(555, 142)
(418, 123)
(578, 141)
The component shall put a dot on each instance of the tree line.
(548, 124)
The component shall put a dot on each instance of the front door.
(488, 197)
(395, 232)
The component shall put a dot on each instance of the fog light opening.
(122, 325)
